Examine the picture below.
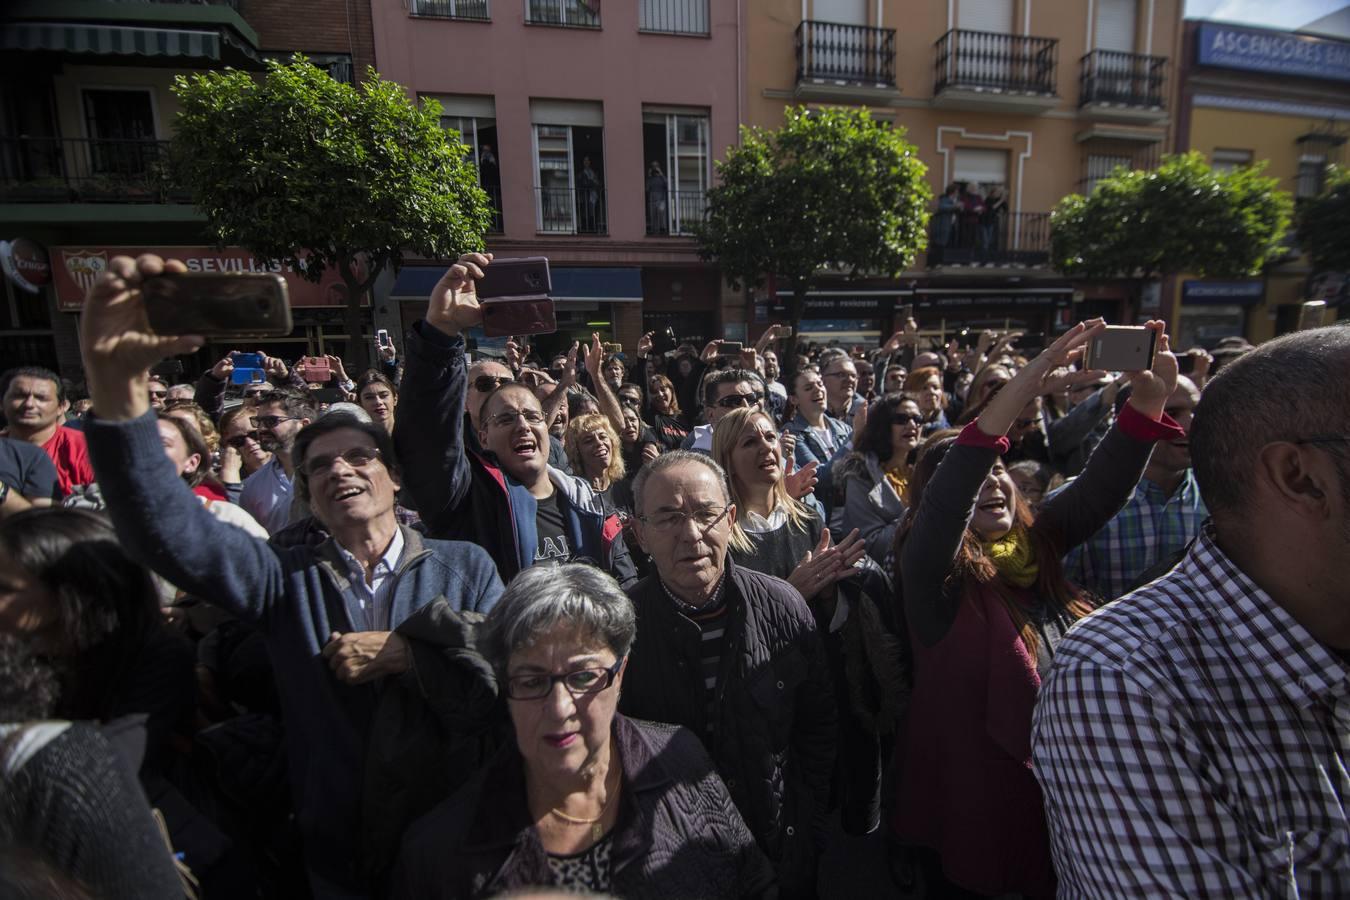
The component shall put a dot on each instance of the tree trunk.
(788, 363)
(357, 358)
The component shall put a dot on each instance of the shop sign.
(78, 268)
(1272, 52)
(26, 264)
(818, 307)
(1243, 292)
(985, 301)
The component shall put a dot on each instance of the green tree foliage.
(1324, 223)
(302, 169)
(830, 189)
(1181, 217)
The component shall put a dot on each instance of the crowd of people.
(674, 623)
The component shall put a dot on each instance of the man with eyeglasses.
(840, 375)
(485, 376)
(334, 616)
(268, 494)
(737, 659)
(502, 494)
(724, 391)
(1191, 738)
(158, 390)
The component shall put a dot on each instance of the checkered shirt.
(1150, 528)
(1191, 741)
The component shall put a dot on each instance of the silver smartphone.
(1122, 348)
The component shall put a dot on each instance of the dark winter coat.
(774, 738)
(677, 833)
(464, 496)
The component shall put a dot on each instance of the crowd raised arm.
(677, 619)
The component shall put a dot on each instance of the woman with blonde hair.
(593, 452)
(774, 533)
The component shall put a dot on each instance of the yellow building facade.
(1036, 97)
(1248, 96)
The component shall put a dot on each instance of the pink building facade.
(594, 129)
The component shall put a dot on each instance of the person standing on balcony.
(944, 227)
(993, 219)
(590, 195)
(657, 188)
(972, 208)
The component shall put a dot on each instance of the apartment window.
(567, 13)
(476, 10)
(677, 167)
(1223, 160)
(1115, 25)
(474, 118)
(120, 125)
(673, 16)
(569, 167)
(1312, 176)
(1098, 167)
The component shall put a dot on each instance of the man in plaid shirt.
(1162, 517)
(1193, 738)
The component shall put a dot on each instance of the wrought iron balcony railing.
(472, 10)
(1014, 239)
(565, 13)
(78, 170)
(675, 212)
(853, 54)
(571, 210)
(986, 60)
(1127, 79)
(673, 16)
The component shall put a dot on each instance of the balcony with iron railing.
(675, 213)
(563, 13)
(838, 62)
(1129, 87)
(468, 10)
(984, 70)
(1017, 240)
(673, 17)
(570, 211)
(79, 170)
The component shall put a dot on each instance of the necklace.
(596, 830)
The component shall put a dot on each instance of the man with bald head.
(498, 491)
(1158, 523)
(1191, 738)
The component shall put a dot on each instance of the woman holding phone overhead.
(982, 589)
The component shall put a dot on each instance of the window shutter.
(985, 15)
(1115, 25)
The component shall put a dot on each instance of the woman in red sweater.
(985, 599)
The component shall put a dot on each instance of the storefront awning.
(214, 44)
(577, 284)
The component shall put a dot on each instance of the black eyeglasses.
(356, 457)
(485, 383)
(907, 419)
(237, 441)
(736, 401)
(581, 681)
(274, 421)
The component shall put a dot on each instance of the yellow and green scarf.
(1015, 558)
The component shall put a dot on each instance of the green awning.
(216, 45)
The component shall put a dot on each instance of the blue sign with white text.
(1273, 52)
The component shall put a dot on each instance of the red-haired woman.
(986, 602)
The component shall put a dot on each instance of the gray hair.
(350, 410)
(668, 461)
(728, 376)
(1291, 388)
(544, 600)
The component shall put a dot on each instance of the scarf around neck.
(1015, 558)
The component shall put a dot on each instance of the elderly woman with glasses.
(583, 799)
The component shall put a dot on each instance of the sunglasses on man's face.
(736, 401)
(485, 383)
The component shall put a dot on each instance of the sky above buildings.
(1283, 14)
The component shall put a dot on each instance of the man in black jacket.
(504, 497)
(734, 656)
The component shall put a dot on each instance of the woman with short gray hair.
(583, 799)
